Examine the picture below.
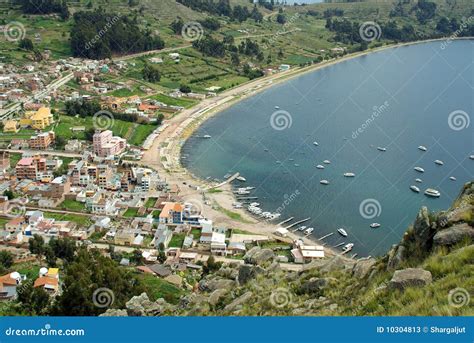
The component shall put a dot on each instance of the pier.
(338, 245)
(229, 180)
(326, 236)
(286, 221)
(298, 222)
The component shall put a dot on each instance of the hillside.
(430, 272)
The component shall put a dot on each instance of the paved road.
(43, 152)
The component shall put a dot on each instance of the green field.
(158, 288)
(177, 240)
(72, 205)
(80, 220)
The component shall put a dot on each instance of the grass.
(156, 214)
(96, 236)
(196, 233)
(173, 101)
(214, 190)
(73, 205)
(80, 220)
(14, 158)
(177, 240)
(131, 212)
(157, 288)
(150, 202)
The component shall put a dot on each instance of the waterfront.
(332, 106)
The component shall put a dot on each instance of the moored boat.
(419, 169)
(320, 166)
(422, 148)
(439, 162)
(452, 178)
(348, 247)
(415, 189)
(342, 232)
(241, 178)
(375, 225)
(349, 174)
(309, 231)
(419, 180)
(432, 193)
(381, 149)
(324, 182)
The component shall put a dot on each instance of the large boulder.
(217, 283)
(258, 256)
(314, 285)
(234, 305)
(454, 234)
(114, 313)
(396, 257)
(410, 277)
(337, 262)
(362, 267)
(141, 305)
(248, 272)
(422, 227)
(217, 295)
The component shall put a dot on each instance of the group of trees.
(223, 8)
(63, 248)
(89, 108)
(151, 73)
(97, 35)
(45, 7)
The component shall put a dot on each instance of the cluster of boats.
(254, 208)
(306, 230)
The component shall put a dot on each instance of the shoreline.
(183, 126)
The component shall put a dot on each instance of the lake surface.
(398, 99)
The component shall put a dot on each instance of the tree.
(177, 25)
(9, 194)
(137, 257)
(151, 73)
(6, 259)
(281, 19)
(36, 245)
(235, 60)
(50, 256)
(63, 248)
(26, 44)
(184, 88)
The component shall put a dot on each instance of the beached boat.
(375, 225)
(342, 232)
(349, 174)
(320, 166)
(381, 149)
(348, 247)
(324, 182)
(415, 189)
(432, 193)
(439, 162)
(419, 169)
(422, 148)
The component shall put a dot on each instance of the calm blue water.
(414, 90)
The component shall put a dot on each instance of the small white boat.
(439, 162)
(277, 107)
(315, 143)
(324, 182)
(349, 174)
(452, 178)
(255, 204)
(241, 178)
(419, 169)
(342, 232)
(419, 180)
(422, 148)
(432, 193)
(302, 228)
(375, 225)
(296, 165)
(327, 162)
(278, 162)
(415, 189)
(471, 157)
(320, 166)
(309, 231)
(348, 247)
(206, 136)
(381, 149)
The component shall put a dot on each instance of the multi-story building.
(105, 144)
(39, 120)
(30, 167)
(42, 141)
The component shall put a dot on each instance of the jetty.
(286, 221)
(296, 223)
(326, 236)
(338, 245)
(229, 180)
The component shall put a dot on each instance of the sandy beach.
(164, 153)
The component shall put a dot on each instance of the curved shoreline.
(186, 122)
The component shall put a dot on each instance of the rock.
(337, 262)
(396, 257)
(410, 277)
(248, 272)
(314, 285)
(258, 256)
(333, 307)
(422, 228)
(239, 301)
(142, 306)
(454, 234)
(217, 295)
(114, 313)
(362, 267)
(217, 283)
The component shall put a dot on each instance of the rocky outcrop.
(454, 235)
(315, 285)
(410, 277)
(396, 257)
(237, 303)
(363, 267)
(422, 228)
(114, 313)
(337, 263)
(217, 295)
(259, 256)
(210, 285)
(141, 305)
(248, 272)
